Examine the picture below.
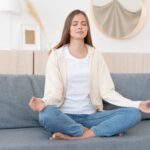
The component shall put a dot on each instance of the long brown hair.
(65, 38)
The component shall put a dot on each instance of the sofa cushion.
(133, 86)
(38, 139)
(15, 92)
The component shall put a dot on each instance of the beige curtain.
(116, 20)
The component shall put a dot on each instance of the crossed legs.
(106, 123)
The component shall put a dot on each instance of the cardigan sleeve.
(107, 88)
(53, 83)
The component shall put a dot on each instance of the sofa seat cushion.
(37, 139)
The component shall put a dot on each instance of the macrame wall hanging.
(116, 20)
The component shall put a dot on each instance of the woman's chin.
(79, 38)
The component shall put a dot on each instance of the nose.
(79, 26)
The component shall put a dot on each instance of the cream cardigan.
(101, 84)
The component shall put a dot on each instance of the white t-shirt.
(77, 100)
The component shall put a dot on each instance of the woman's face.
(79, 27)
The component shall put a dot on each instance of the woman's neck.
(78, 49)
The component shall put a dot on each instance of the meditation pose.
(76, 84)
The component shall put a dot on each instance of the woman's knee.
(136, 113)
(48, 115)
(133, 114)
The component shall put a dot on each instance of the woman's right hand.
(36, 104)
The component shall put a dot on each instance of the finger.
(148, 111)
(31, 101)
(32, 106)
(33, 98)
(145, 110)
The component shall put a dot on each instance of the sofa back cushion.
(133, 86)
(15, 93)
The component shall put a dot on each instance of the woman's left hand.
(145, 106)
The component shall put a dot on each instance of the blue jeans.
(104, 123)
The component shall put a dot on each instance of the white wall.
(5, 40)
(53, 14)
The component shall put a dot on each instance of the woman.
(77, 79)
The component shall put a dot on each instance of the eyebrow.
(79, 21)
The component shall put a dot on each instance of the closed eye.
(75, 23)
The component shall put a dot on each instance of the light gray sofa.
(20, 129)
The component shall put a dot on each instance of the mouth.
(80, 32)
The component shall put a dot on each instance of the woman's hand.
(36, 104)
(145, 106)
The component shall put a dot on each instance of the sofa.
(20, 129)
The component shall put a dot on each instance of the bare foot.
(61, 136)
(85, 129)
(86, 134)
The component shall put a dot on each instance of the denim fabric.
(105, 123)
